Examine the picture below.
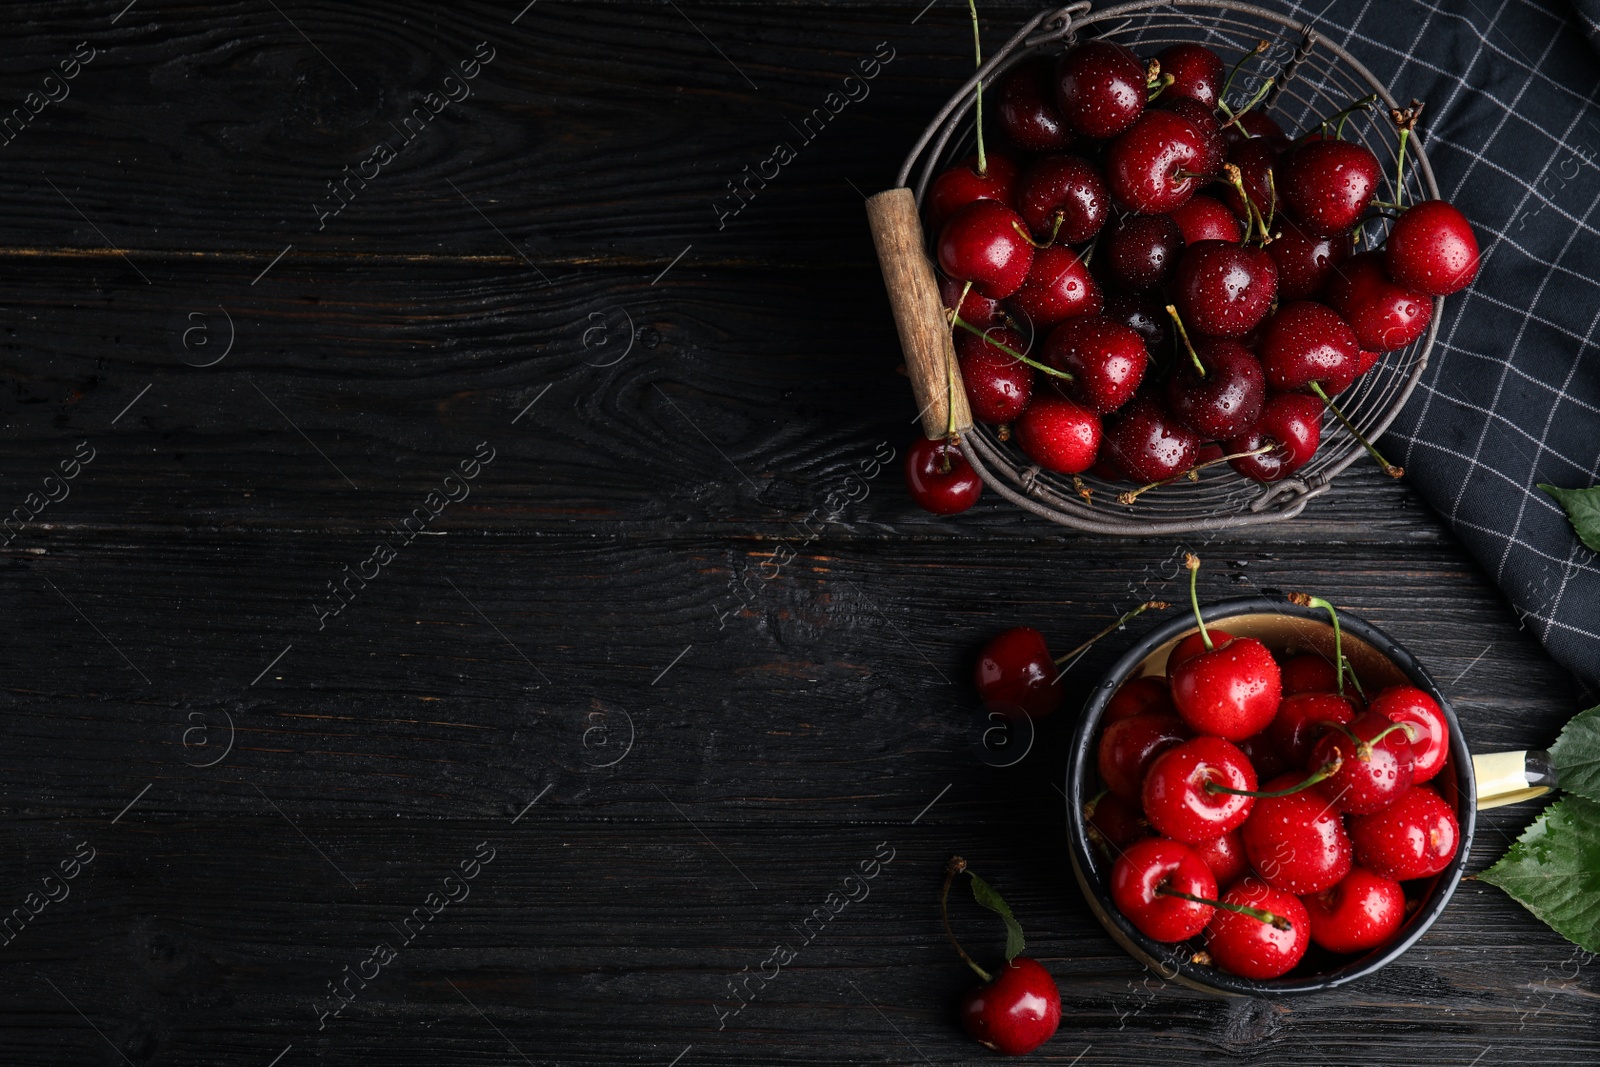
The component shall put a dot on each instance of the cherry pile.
(1263, 804)
(1147, 281)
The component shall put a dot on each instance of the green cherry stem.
(1261, 46)
(1343, 115)
(1364, 745)
(1149, 605)
(1326, 771)
(957, 320)
(1306, 600)
(1259, 96)
(1193, 474)
(1183, 333)
(953, 868)
(1405, 120)
(977, 51)
(1355, 681)
(1192, 562)
(1388, 468)
(1267, 917)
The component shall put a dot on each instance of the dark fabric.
(1511, 396)
(1588, 12)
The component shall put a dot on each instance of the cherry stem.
(1007, 349)
(1306, 600)
(1192, 561)
(1272, 204)
(1364, 744)
(1183, 333)
(1261, 46)
(1388, 468)
(1354, 680)
(1149, 605)
(1364, 104)
(1327, 770)
(953, 868)
(977, 51)
(1260, 95)
(1405, 120)
(1160, 85)
(1277, 921)
(1131, 495)
(1252, 213)
(1022, 231)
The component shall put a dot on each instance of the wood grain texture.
(684, 657)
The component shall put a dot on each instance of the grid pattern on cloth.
(1511, 396)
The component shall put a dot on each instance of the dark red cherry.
(1059, 287)
(1357, 915)
(1309, 673)
(1025, 106)
(1016, 675)
(1114, 823)
(1301, 721)
(1148, 444)
(1326, 185)
(1384, 315)
(1432, 249)
(1431, 747)
(1177, 802)
(940, 478)
(1142, 251)
(1057, 434)
(1292, 422)
(1196, 71)
(1138, 696)
(1308, 342)
(1415, 837)
(1225, 856)
(1297, 843)
(1146, 881)
(961, 185)
(1263, 754)
(1100, 88)
(975, 308)
(1224, 290)
(1068, 187)
(1106, 360)
(998, 384)
(1254, 124)
(984, 243)
(1017, 1011)
(1248, 947)
(1256, 160)
(1152, 167)
(1305, 263)
(1204, 120)
(1228, 400)
(1206, 219)
(1191, 646)
(1143, 315)
(1128, 747)
(1375, 766)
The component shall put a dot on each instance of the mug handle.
(1512, 777)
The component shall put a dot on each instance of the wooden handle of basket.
(918, 313)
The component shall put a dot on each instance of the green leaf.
(1577, 755)
(984, 894)
(1554, 870)
(1583, 509)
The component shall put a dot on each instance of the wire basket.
(1313, 77)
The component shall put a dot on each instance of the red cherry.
(1326, 185)
(1373, 771)
(1431, 249)
(961, 185)
(1308, 673)
(1153, 166)
(1253, 124)
(1225, 856)
(1129, 747)
(1100, 88)
(1106, 360)
(1305, 263)
(1204, 120)
(1143, 315)
(1059, 287)
(1015, 1013)
(1191, 645)
(1292, 422)
(940, 478)
(1142, 251)
(1178, 804)
(1264, 755)
(1357, 915)
(1114, 822)
(1228, 400)
(1138, 696)
(998, 384)
(1224, 290)
(1145, 882)
(1256, 160)
(1068, 187)
(1230, 691)
(1206, 219)
(1302, 719)
(1057, 434)
(1297, 843)
(1015, 674)
(1196, 72)
(1147, 444)
(1254, 949)
(1307, 342)
(984, 243)
(1405, 703)
(1385, 316)
(1415, 837)
(1025, 106)
(975, 308)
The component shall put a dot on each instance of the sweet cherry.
(1142, 251)
(1193, 792)
(1016, 675)
(1196, 73)
(1113, 822)
(1222, 289)
(1128, 748)
(1415, 837)
(1431, 249)
(1301, 721)
(1100, 88)
(1308, 342)
(1205, 218)
(1357, 915)
(1431, 746)
(963, 184)
(1227, 401)
(1232, 689)
(1305, 262)
(1138, 696)
(998, 384)
(940, 478)
(1326, 185)
(1157, 163)
(1384, 315)
(1059, 287)
(985, 243)
(1297, 842)
(975, 308)
(1292, 422)
(1026, 108)
(1375, 763)
(1105, 358)
(1191, 645)
(1225, 856)
(1254, 949)
(1148, 444)
(1063, 198)
(1308, 673)
(1164, 888)
(1058, 434)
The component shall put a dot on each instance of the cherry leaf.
(1554, 870)
(1577, 755)
(984, 894)
(1583, 511)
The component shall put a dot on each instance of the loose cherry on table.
(1431, 249)
(1415, 837)
(1362, 912)
(940, 478)
(1016, 674)
(998, 384)
(1026, 108)
(1254, 949)
(1106, 359)
(1101, 88)
(1297, 842)
(1431, 746)
(1232, 689)
(986, 244)
(1384, 314)
(1375, 762)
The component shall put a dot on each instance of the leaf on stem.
(984, 894)
(1554, 870)
(1576, 754)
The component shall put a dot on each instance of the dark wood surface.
(712, 746)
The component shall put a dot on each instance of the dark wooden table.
(574, 751)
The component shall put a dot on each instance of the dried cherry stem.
(1183, 333)
(957, 320)
(1405, 120)
(1306, 600)
(1192, 562)
(953, 868)
(1082, 490)
(1322, 773)
(1131, 495)
(1222, 103)
(1235, 179)
(1148, 605)
(1343, 115)
(1155, 81)
(1271, 919)
(1388, 468)
(977, 51)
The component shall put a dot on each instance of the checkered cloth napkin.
(1511, 396)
